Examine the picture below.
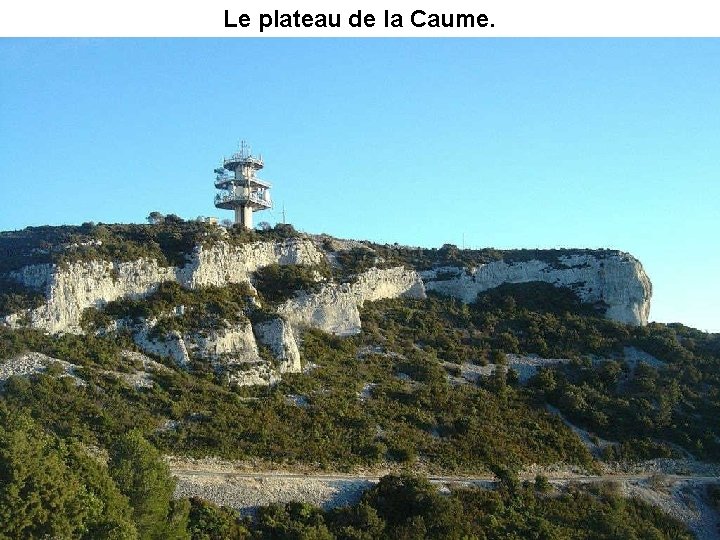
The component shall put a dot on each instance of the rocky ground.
(524, 366)
(686, 501)
(32, 362)
(246, 494)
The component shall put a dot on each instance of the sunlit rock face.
(232, 350)
(335, 309)
(260, 352)
(616, 279)
(71, 288)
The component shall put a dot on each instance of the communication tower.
(242, 191)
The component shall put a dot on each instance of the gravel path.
(246, 494)
(233, 485)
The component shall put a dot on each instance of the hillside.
(314, 353)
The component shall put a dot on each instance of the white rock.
(617, 279)
(525, 367)
(334, 308)
(236, 342)
(171, 345)
(278, 335)
(31, 363)
(223, 263)
(232, 349)
(253, 374)
(71, 288)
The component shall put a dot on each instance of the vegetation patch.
(451, 255)
(410, 507)
(178, 309)
(15, 297)
(413, 412)
(277, 283)
(382, 398)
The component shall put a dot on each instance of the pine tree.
(143, 477)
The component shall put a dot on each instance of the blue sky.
(500, 142)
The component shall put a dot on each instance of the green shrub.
(277, 283)
(144, 478)
(50, 489)
(15, 297)
(207, 521)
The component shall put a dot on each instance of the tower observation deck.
(241, 190)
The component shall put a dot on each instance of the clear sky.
(495, 143)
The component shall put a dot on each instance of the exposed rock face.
(223, 263)
(335, 308)
(233, 344)
(232, 350)
(34, 362)
(618, 280)
(171, 345)
(277, 334)
(81, 285)
(70, 290)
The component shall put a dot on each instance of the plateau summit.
(82, 275)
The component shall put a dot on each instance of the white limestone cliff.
(71, 288)
(616, 279)
(232, 350)
(335, 308)
(278, 336)
(171, 345)
(233, 344)
(223, 263)
(613, 278)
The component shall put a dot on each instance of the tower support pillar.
(243, 216)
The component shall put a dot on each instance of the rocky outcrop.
(334, 308)
(171, 345)
(232, 350)
(278, 336)
(223, 263)
(233, 344)
(72, 288)
(31, 363)
(615, 279)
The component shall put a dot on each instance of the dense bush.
(409, 507)
(53, 489)
(144, 478)
(280, 232)
(451, 255)
(277, 283)
(15, 297)
(351, 262)
(639, 407)
(168, 241)
(207, 521)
